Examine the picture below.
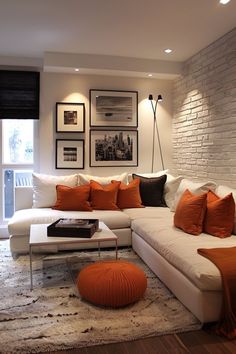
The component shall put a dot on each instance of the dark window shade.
(19, 94)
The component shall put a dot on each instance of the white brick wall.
(204, 122)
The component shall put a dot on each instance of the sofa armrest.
(23, 197)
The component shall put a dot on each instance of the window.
(17, 160)
(18, 141)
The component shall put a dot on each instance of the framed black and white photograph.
(69, 154)
(113, 148)
(70, 117)
(113, 108)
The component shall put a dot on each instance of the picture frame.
(69, 154)
(110, 148)
(113, 108)
(70, 117)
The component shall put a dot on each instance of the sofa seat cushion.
(147, 212)
(180, 249)
(22, 219)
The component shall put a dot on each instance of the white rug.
(53, 316)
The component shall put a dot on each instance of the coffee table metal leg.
(31, 272)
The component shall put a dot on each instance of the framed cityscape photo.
(110, 108)
(113, 148)
(70, 117)
(69, 154)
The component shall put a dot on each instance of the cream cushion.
(44, 188)
(222, 191)
(193, 187)
(170, 188)
(85, 179)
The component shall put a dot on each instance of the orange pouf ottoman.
(112, 283)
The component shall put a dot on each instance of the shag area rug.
(53, 316)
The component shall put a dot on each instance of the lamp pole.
(155, 129)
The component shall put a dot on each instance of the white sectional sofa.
(168, 251)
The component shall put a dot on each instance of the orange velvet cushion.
(219, 219)
(72, 198)
(129, 195)
(104, 196)
(190, 212)
(112, 283)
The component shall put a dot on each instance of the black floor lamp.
(155, 129)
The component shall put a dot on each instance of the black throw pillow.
(151, 190)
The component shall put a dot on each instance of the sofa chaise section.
(172, 255)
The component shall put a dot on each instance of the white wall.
(75, 88)
(204, 123)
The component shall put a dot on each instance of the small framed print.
(70, 117)
(110, 108)
(113, 148)
(69, 154)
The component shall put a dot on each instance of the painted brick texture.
(204, 121)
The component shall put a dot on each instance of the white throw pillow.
(193, 187)
(222, 191)
(85, 179)
(44, 188)
(170, 188)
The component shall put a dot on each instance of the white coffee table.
(38, 237)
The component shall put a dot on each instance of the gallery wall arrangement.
(113, 136)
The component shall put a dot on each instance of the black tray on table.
(84, 228)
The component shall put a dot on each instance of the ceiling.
(139, 29)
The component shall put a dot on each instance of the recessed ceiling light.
(224, 2)
(150, 75)
(168, 50)
(76, 69)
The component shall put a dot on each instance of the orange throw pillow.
(72, 198)
(129, 195)
(190, 212)
(104, 197)
(219, 218)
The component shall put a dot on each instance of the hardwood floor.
(196, 342)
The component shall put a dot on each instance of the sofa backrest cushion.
(73, 198)
(44, 188)
(129, 195)
(190, 212)
(104, 197)
(170, 188)
(85, 179)
(194, 187)
(219, 218)
(23, 197)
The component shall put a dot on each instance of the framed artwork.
(113, 108)
(70, 117)
(69, 154)
(113, 148)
